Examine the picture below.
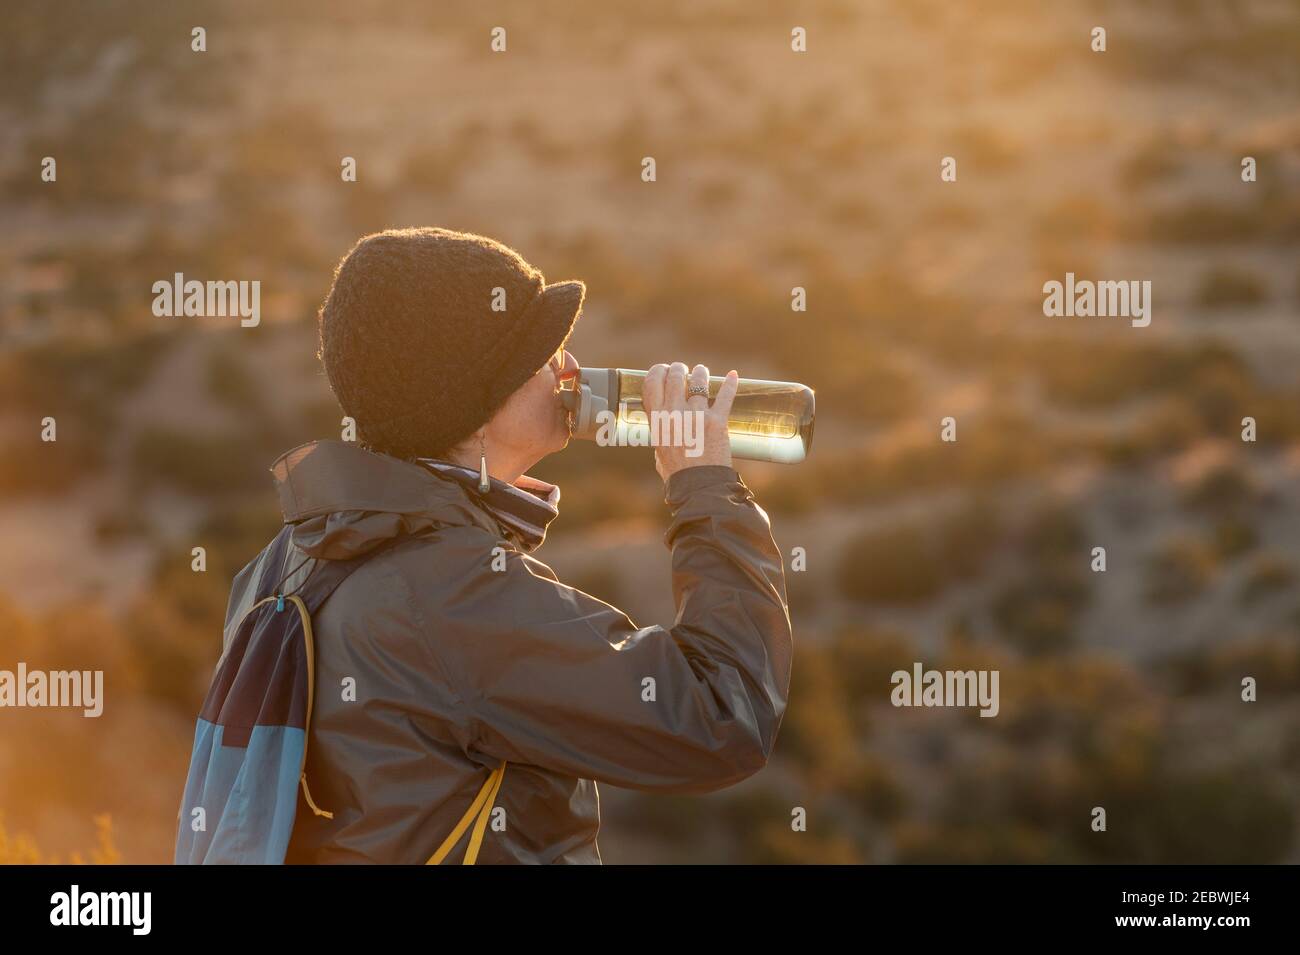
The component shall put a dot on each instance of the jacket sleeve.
(554, 677)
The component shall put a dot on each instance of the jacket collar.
(524, 508)
(345, 500)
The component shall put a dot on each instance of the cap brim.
(544, 327)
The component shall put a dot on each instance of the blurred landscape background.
(775, 169)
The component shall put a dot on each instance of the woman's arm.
(556, 678)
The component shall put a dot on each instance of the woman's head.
(530, 425)
(432, 339)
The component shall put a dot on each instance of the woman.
(457, 678)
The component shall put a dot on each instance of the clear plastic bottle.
(769, 420)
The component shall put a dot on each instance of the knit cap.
(414, 349)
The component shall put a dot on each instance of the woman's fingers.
(699, 376)
(675, 386)
(652, 389)
(726, 394)
(665, 388)
(686, 445)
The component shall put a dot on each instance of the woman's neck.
(499, 468)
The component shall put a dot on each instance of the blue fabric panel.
(249, 796)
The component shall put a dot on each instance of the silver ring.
(698, 390)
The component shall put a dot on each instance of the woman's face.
(533, 422)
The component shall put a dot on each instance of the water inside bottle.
(769, 420)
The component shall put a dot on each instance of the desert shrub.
(533, 138)
(1205, 222)
(1269, 574)
(1234, 537)
(1002, 842)
(1037, 612)
(231, 383)
(952, 214)
(717, 193)
(233, 535)
(1223, 492)
(600, 580)
(1055, 534)
(1221, 395)
(758, 823)
(897, 565)
(852, 211)
(369, 205)
(1008, 444)
(319, 418)
(1179, 570)
(1218, 670)
(1097, 374)
(1225, 287)
(1167, 428)
(1155, 161)
(1077, 217)
(876, 791)
(32, 466)
(86, 379)
(104, 156)
(985, 148)
(121, 524)
(175, 636)
(1220, 816)
(204, 464)
(777, 844)
(19, 849)
(1038, 609)
(281, 145)
(796, 494)
(865, 660)
(601, 498)
(1211, 380)
(434, 170)
(969, 536)
(803, 590)
(817, 733)
(679, 822)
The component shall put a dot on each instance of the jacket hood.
(345, 501)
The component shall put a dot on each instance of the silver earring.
(484, 483)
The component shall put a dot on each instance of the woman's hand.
(665, 390)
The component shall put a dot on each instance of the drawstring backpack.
(250, 740)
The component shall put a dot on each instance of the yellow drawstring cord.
(482, 806)
(314, 808)
(311, 697)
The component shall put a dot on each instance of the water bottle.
(769, 420)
